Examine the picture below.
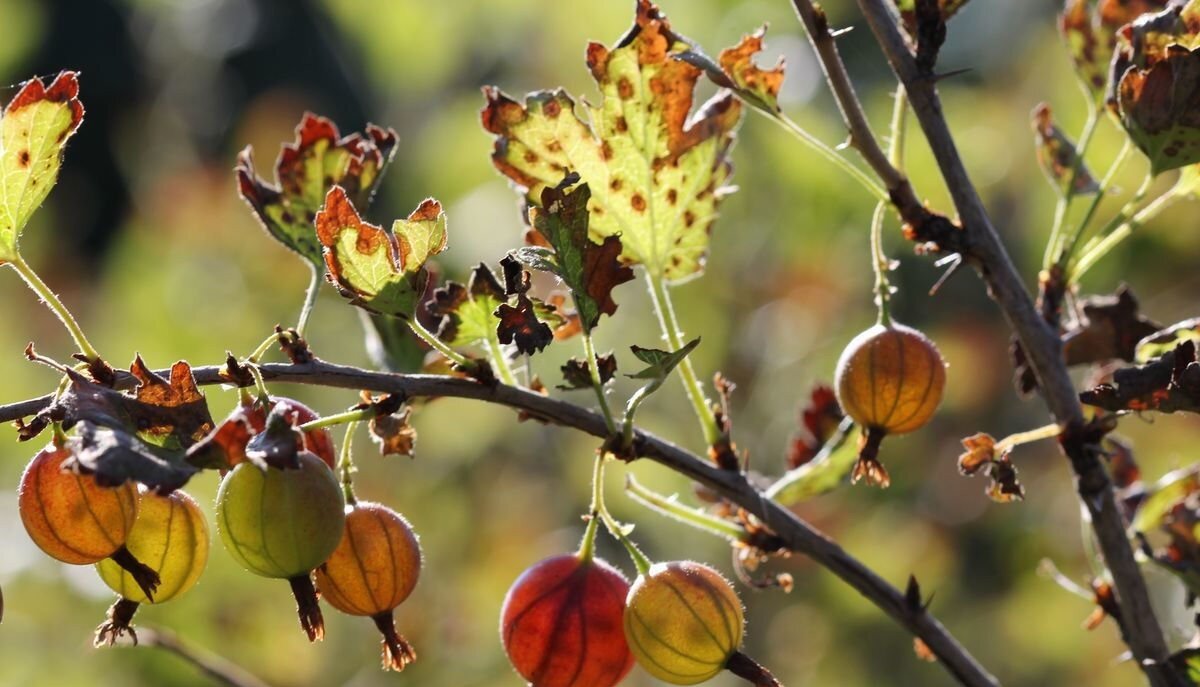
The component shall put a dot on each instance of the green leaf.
(34, 129)
(660, 363)
(824, 473)
(591, 270)
(656, 174)
(379, 271)
(1167, 339)
(467, 311)
(305, 172)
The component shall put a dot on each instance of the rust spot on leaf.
(624, 88)
(689, 218)
(622, 126)
(23, 158)
(638, 202)
(530, 157)
(553, 109)
(672, 196)
(615, 184)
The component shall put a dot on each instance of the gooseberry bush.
(628, 185)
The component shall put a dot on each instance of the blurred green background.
(147, 241)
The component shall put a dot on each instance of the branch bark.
(980, 245)
(797, 534)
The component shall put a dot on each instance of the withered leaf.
(114, 455)
(819, 418)
(576, 374)
(982, 456)
(174, 412)
(590, 270)
(379, 271)
(520, 325)
(393, 434)
(34, 129)
(1168, 383)
(735, 69)
(1057, 155)
(656, 174)
(1111, 328)
(278, 444)
(466, 311)
(305, 172)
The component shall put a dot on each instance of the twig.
(1041, 344)
(219, 669)
(796, 534)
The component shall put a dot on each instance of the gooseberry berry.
(77, 521)
(373, 570)
(889, 380)
(683, 621)
(283, 523)
(171, 533)
(561, 623)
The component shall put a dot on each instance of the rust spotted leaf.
(305, 171)
(379, 271)
(1155, 85)
(1167, 383)
(173, 412)
(656, 171)
(34, 129)
(1057, 155)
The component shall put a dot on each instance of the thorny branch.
(979, 245)
(795, 533)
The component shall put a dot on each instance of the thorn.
(838, 33)
(937, 78)
(955, 261)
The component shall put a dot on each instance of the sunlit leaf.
(828, 470)
(1084, 43)
(306, 170)
(735, 69)
(34, 129)
(467, 312)
(1056, 154)
(1156, 81)
(656, 173)
(660, 363)
(379, 271)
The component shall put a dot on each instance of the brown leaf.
(175, 408)
(981, 456)
(1111, 329)
(520, 325)
(737, 63)
(393, 434)
(1168, 383)
(577, 375)
(820, 419)
(1057, 155)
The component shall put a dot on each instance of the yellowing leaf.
(34, 129)
(379, 271)
(306, 170)
(656, 173)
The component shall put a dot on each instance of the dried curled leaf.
(1155, 85)
(379, 271)
(577, 375)
(144, 436)
(981, 456)
(393, 434)
(591, 270)
(1111, 328)
(519, 324)
(34, 128)
(1057, 155)
(1168, 383)
(306, 170)
(735, 70)
(656, 174)
(820, 419)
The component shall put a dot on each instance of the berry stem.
(496, 353)
(336, 419)
(672, 508)
(1046, 432)
(589, 350)
(880, 261)
(1054, 245)
(1121, 226)
(437, 344)
(47, 296)
(262, 348)
(587, 547)
(1071, 243)
(660, 298)
(817, 145)
(346, 463)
